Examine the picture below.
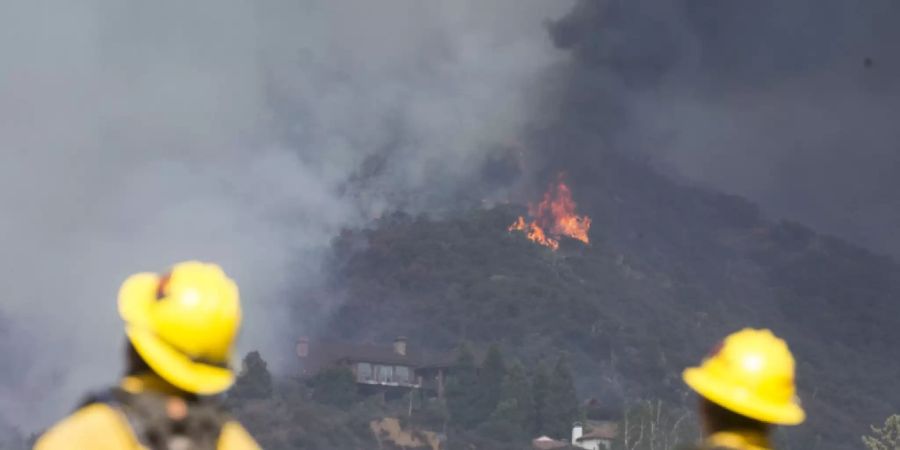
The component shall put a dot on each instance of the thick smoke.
(136, 134)
(789, 103)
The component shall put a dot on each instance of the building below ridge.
(387, 368)
(594, 435)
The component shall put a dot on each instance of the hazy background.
(137, 134)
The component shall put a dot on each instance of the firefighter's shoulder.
(235, 437)
(94, 426)
(705, 446)
(98, 426)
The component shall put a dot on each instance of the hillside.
(670, 270)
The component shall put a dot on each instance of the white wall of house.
(590, 443)
(577, 432)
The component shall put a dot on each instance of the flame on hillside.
(553, 218)
(534, 232)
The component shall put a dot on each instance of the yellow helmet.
(751, 373)
(183, 324)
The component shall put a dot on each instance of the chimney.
(577, 432)
(400, 346)
(303, 347)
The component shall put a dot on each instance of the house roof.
(547, 443)
(601, 430)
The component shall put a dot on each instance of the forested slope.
(669, 271)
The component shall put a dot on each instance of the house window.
(364, 372)
(401, 374)
(385, 374)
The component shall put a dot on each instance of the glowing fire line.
(555, 213)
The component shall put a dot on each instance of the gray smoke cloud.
(137, 134)
(789, 103)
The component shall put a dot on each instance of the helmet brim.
(740, 401)
(176, 367)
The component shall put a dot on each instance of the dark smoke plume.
(789, 103)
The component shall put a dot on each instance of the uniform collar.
(148, 382)
(742, 440)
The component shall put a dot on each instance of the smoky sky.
(792, 104)
(138, 134)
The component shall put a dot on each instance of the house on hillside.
(390, 368)
(594, 435)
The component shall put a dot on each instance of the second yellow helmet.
(751, 373)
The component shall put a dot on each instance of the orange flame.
(556, 213)
(533, 232)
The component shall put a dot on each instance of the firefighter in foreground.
(746, 387)
(180, 326)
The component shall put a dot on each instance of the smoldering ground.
(138, 134)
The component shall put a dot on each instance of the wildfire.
(534, 232)
(555, 214)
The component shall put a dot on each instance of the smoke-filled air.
(136, 135)
(461, 224)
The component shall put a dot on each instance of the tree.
(503, 424)
(886, 437)
(334, 386)
(649, 425)
(560, 408)
(462, 390)
(513, 418)
(540, 386)
(490, 383)
(254, 381)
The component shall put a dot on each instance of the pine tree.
(516, 386)
(560, 407)
(513, 418)
(462, 390)
(886, 438)
(490, 383)
(540, 386)
(503, 423)
(254, 380)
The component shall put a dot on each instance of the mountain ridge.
(670, 270)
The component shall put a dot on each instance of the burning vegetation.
(553, 218)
